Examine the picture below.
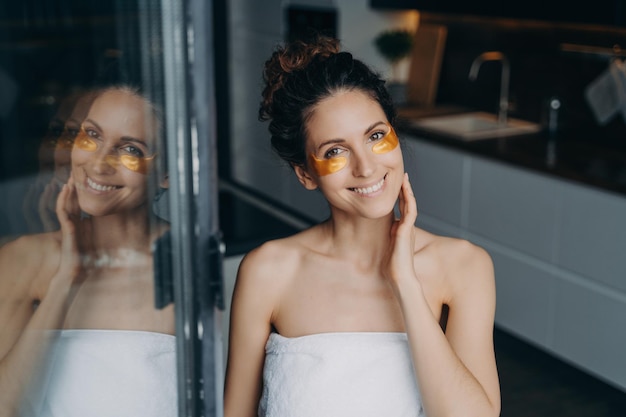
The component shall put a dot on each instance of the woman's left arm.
(456, 370)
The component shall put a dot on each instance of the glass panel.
(86, 218)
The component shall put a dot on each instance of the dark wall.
(49, 49)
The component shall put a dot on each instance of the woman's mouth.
(371, 189)
(101, 187)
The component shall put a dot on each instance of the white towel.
(339, 374)
(108, 373)
(606, 94)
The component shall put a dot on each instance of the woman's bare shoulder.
(461, 262)
(35, 247)
(29, 258)
(275, 260)
(264, 276)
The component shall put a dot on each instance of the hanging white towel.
(339, 374)
(606, 95)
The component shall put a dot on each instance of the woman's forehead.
(122, 113)
(344, 114)
(114, 102)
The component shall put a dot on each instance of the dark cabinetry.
(604, 12)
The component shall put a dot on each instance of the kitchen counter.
(567, 155)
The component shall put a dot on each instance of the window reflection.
(54, 161)
(79, 330)
(80, 315)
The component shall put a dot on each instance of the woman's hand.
(47, 205)
(68, 214)
(398, 264)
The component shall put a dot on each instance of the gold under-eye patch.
(134, 163)
(84, 142)
(327, 166)
(387, 144)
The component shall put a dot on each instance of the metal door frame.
(197, 249)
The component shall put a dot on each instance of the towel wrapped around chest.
(339, 374)
(107, 373)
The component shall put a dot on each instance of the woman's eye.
(377, 136)
(331, 153)
(132, 150)
(91, 133)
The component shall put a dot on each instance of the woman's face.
(353, 155)
(54, 133)
(64, 145)
(112, 155)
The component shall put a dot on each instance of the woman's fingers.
(72, 204)
(407, 203)
(69, 250)
(399, 261)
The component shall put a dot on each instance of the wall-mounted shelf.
(596, 51)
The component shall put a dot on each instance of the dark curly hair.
(301, 74)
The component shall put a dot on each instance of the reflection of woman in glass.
(80, 333)
(343, 319)
(54, 158)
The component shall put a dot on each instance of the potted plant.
(395, 45)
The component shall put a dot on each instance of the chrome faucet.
(504, 79)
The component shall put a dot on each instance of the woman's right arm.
(250, 325)
(25, 341)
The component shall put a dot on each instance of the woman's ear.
(304, 177)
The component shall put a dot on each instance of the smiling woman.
(112, 154)
(344, 318)
(80, 333)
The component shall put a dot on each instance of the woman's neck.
(365, 240)
(118, 231)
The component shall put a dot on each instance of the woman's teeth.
(98, 187)
(371, 189)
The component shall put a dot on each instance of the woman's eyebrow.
(333, 141)
(330, 142)
(123, 138)
(373, 126)
(134, 140)
(94, 123)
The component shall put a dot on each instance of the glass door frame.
(195, 238)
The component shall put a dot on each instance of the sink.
(475, 126)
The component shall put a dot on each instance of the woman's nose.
(363, 164)
(104, 163)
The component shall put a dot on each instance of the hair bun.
(291, 58)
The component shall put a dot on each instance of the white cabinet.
(559, 250)
(524, 296)
(592, 235)
(513, 207)
(589, 328)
